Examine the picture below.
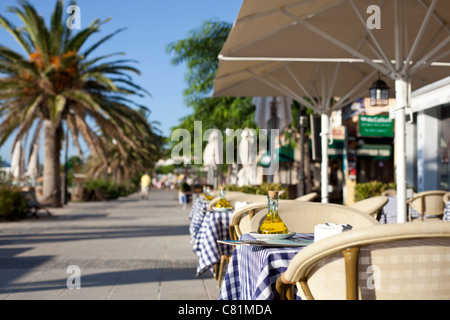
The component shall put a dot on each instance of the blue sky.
(151, 26)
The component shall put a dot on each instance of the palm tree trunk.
(52, 178)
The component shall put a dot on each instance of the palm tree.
(57, 81)
(122, 169)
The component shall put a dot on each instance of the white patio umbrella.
(33, 171)
(278, 117)
(16, 161)
(213, 156)
(314, 84)
(247, 156)
(406, 40)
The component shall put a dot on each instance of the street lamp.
(379, 93)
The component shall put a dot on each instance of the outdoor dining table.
(447, 211)
(198, 211)
(253, 270)
(214, 226)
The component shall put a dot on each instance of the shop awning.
(285, 154)
(375, 151)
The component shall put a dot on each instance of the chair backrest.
(234, 197)
(405, 261)
(428, 203)
(389, 193)
(240, 220)
(372, 206)
(302, 217)
(446, 197)
(308, 197)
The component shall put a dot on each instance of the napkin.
(240, 204)
(325, 230)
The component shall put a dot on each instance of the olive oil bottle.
(223, 202)
(207, 194)
(273, 223)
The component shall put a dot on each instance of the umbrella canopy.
(406, 40)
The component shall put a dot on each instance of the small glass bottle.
(208, 196)
(273, 223)
(223, 202)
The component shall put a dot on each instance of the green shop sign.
(376, 126)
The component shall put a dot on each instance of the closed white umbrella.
(212, 155)
(247, 156)
(276, 109)
(33, 171)
(16, 161)
(406, 40)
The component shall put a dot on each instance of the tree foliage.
(200, 52)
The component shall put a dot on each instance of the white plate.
(222, 209)
(260, 236)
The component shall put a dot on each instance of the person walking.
(145, 186)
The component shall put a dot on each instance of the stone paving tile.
(126, 250)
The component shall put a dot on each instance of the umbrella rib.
(336, 42)
(333, 84)
(285, 90)
(426, 60)
(377, 44)
(299, 84)
(354, 89)
(419, 35)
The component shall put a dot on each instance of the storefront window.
(444, 148)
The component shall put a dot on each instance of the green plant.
(366, 190)
(13, 205)
(107, 189)
(260, 189)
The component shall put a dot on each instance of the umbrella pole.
(324, 168)
(401, 91)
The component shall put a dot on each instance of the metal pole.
(324, 168)
(401, 89)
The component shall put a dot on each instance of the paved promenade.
(126, 249)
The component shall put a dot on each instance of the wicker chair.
(308, 197)
(446, 197)
(372, 206)
(405, 261)
(389, 193)
(429, 204)
(235, 196)
(302, 217)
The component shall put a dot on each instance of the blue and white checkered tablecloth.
(389, 212)
(253, 270)
(447, 211)
(196, 216)
(215, 226)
